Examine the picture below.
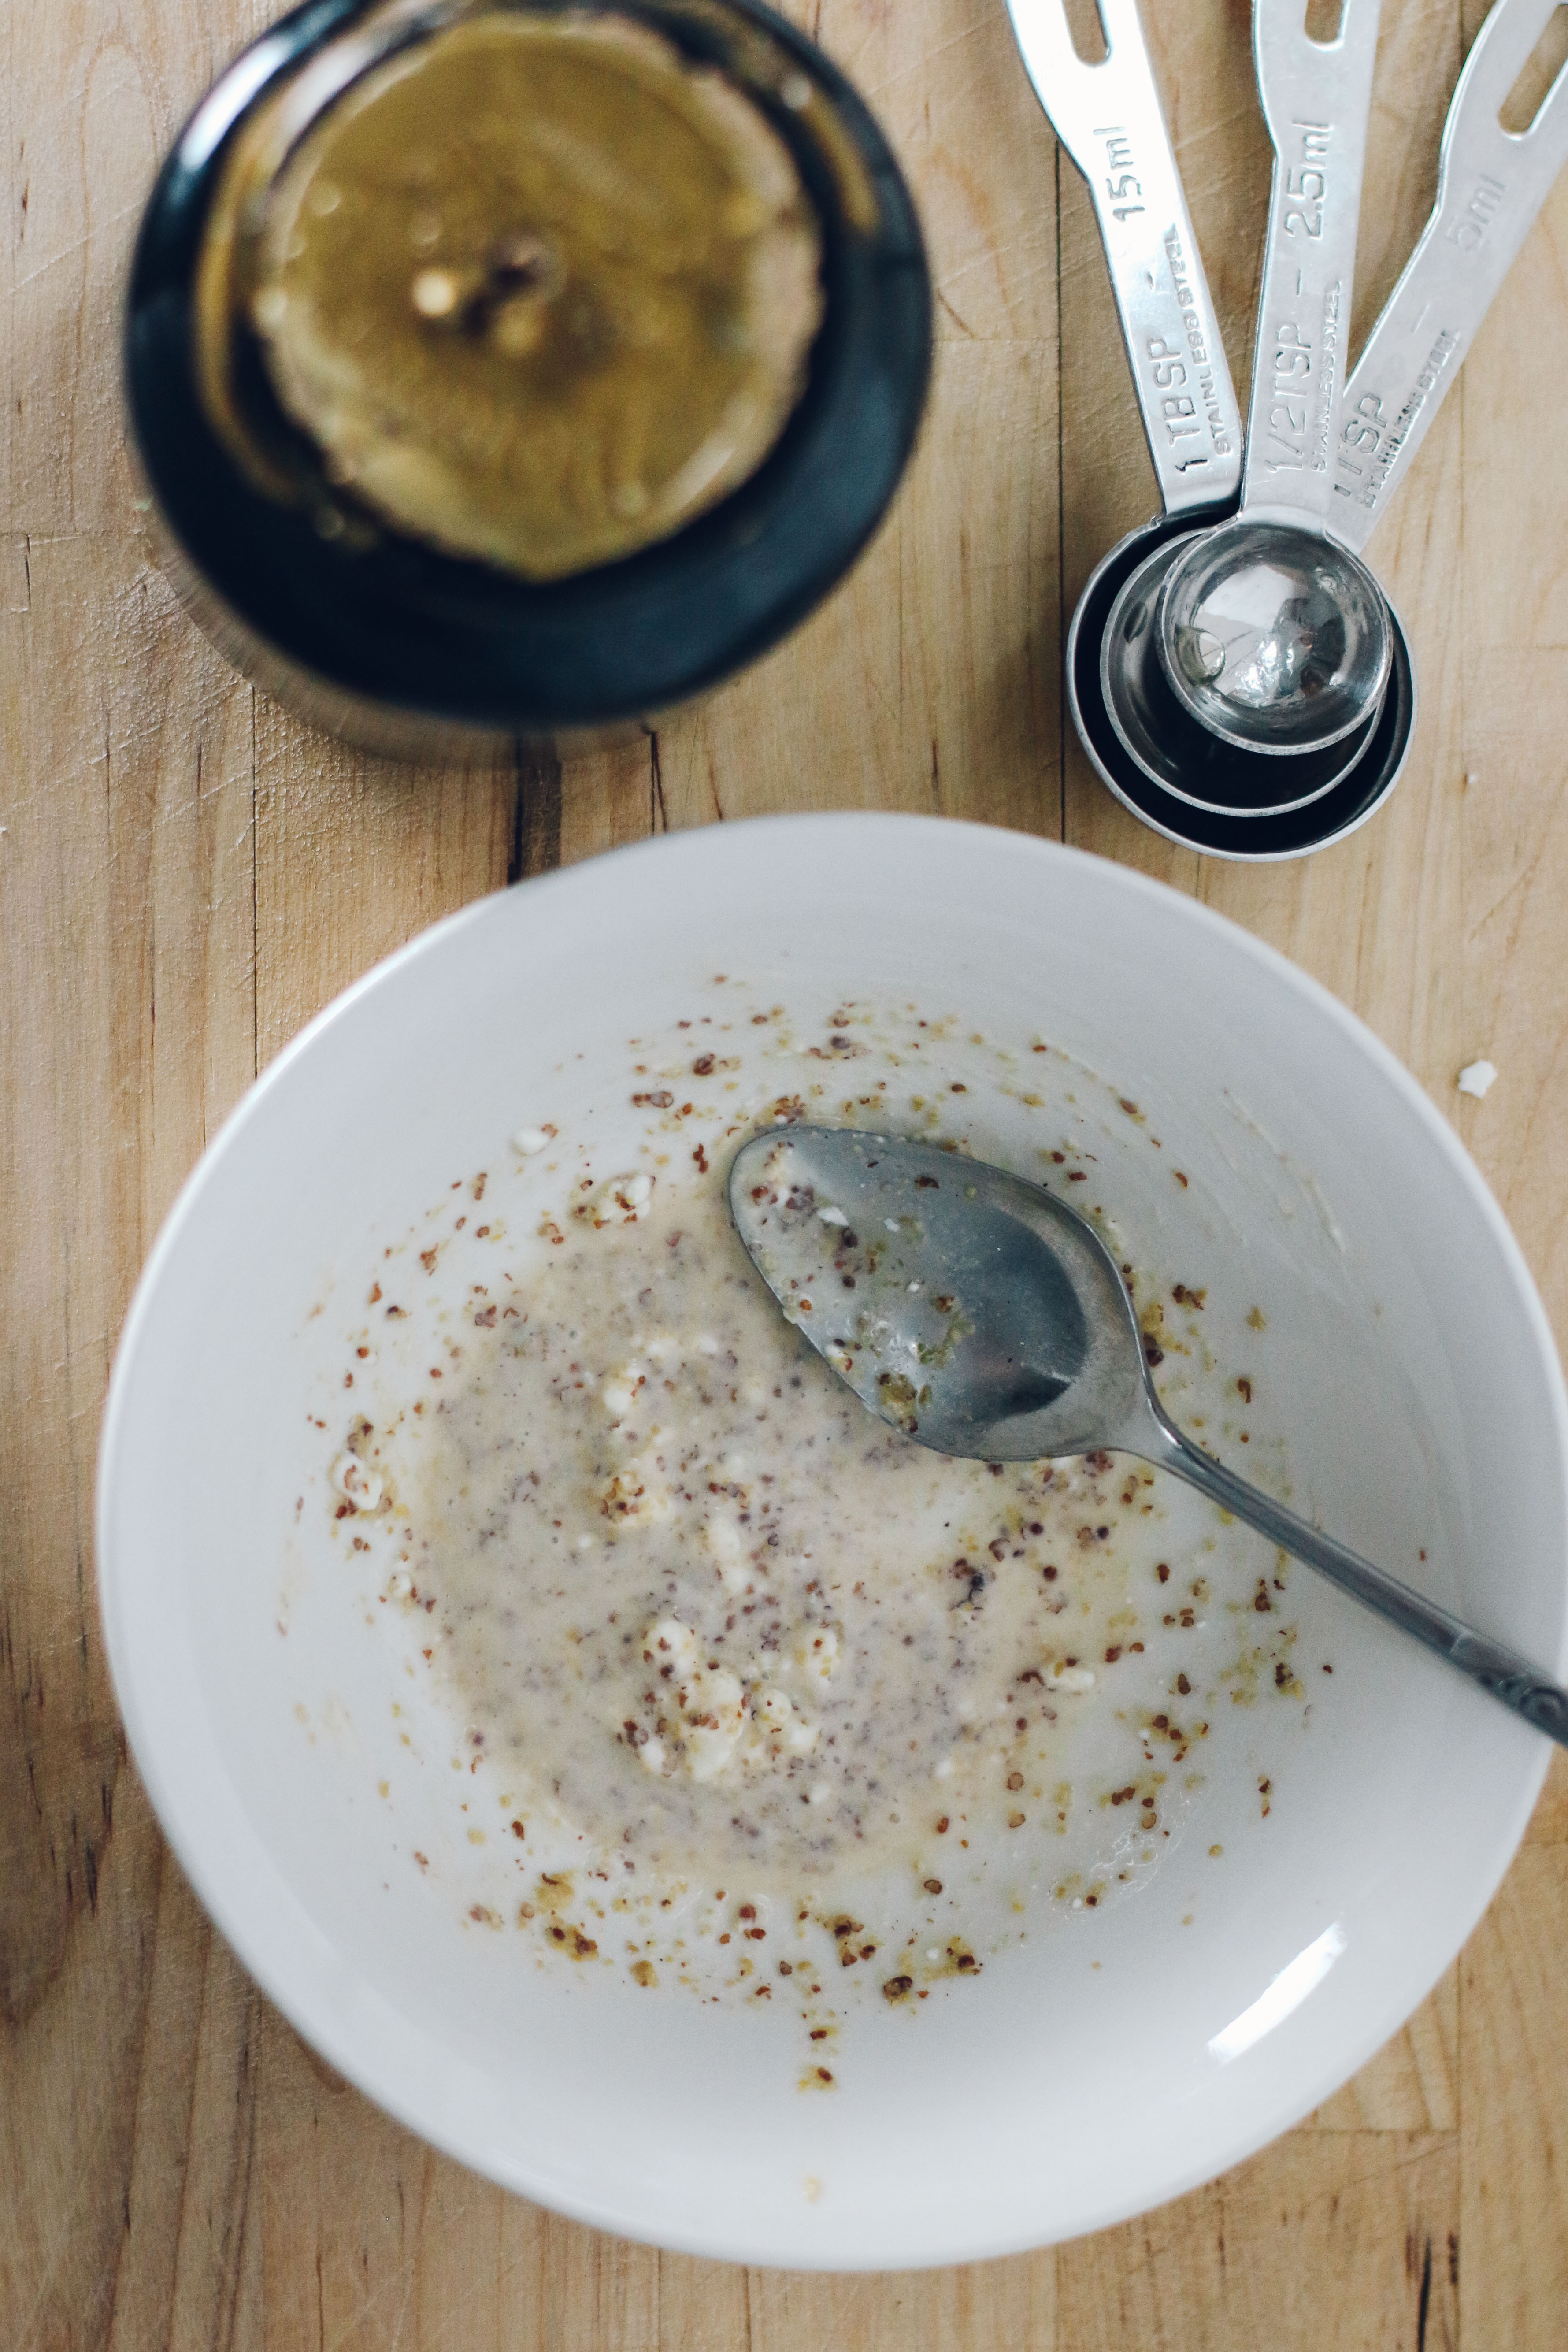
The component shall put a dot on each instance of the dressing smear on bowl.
(748, 1690)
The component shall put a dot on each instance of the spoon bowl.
(968, 1308)
(1175, 746)
(1243, 834)
(1275, 639)
(982, 1316)
(1272, 634)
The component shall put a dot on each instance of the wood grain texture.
(187, 875)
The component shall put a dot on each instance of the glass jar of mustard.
(503, 369)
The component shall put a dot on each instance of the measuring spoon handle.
(1492, 184)
(1108, 116)
(1316, 97)
(1510, 1678)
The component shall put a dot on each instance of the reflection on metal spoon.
(1174, 749)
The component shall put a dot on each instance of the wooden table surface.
(186, 874)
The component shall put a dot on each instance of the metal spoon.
(1271, 634)
(985, 1319)
(1173, 747)
(1160, 761)
(1108, 116)
(1492, 184)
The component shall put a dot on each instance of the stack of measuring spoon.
(1237, 674)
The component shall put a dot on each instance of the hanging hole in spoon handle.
(1510, 1678)
(1108, 117)
(1491, 184)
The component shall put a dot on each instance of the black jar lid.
(380, 622)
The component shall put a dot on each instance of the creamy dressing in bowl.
(718, 1637)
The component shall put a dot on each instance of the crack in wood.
(535, 812)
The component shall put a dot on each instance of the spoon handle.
(1500, 1671)
(1108, 116)
(1492, 184)
(1315, 97)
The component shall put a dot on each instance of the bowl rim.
(300, 1999)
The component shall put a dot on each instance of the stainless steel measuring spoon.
(1486, 223)
(1108, 116)
(1271, 633)
(1492, 184)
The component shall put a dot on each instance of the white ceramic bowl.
(1113, 2060)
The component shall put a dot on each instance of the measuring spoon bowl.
(1247, 840)
(1274, 637)
(1173, 747)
